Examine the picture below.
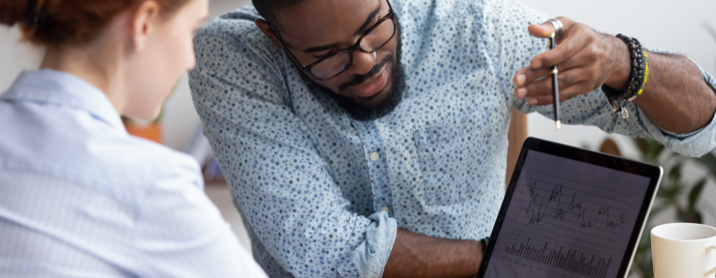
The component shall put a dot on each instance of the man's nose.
(363, 62)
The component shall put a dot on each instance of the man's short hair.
(268, 8)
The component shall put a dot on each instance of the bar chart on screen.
(568, 225)
(559, 254)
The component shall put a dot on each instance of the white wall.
(180, 116)
(15, 57)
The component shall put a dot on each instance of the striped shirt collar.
(63, 89)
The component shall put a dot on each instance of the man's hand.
(585, 60)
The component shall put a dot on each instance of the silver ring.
(557, 27)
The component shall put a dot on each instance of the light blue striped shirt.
(79, 197)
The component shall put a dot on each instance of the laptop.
(570, 212)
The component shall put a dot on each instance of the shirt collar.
(49, 86)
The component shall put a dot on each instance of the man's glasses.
(336, 63)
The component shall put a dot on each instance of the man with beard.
(367, 138)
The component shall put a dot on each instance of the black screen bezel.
(613, 162)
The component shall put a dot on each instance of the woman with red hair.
(79, 197)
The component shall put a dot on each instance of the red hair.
(57, 22)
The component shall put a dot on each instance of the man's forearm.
(676, 97)
(416, 255)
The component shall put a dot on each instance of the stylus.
(555, 87)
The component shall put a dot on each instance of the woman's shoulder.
(130, 167)
(107, 161)
(149, 161)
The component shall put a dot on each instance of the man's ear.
(264, 26)
(142, 22)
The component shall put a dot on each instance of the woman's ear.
(264, 26)
(143, 22)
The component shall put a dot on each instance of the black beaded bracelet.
(637, 75)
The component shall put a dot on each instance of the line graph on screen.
(554, 202)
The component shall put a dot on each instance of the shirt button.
(374, 156)
(385, 209)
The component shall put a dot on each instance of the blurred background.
(679, 26)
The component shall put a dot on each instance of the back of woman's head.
(76, 22)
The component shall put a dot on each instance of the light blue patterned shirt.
(79, 197)
(322, 195)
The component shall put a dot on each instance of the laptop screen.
(568, 218)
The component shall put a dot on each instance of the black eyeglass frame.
(349, 50)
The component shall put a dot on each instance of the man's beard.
(361, 112)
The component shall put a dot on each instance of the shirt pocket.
(452, 159)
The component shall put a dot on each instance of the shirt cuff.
(693, 144)
(682, 136)
(370, 257)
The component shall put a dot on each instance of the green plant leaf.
(696, 193)
(669, 192)
(688, 215)
(655, 149)
(641, 145)
(642, 258)
(664, 193)
(695, 217)
(709, 161)
(675, 173)
(650, 149)
(673, 193)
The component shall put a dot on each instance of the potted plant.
(675, 193)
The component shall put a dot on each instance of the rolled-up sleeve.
(370, 257)
(279, 181)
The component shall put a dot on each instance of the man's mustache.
(358, 79)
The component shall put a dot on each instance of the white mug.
(683, 250)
